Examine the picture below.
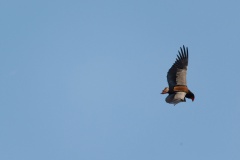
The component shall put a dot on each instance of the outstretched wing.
(176, 98)
(177, 73)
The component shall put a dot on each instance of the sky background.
(81, 80)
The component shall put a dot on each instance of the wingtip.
(184, 52)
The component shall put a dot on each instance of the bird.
(176, 77)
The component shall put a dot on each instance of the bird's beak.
(192, 98)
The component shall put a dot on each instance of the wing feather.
(177, 73)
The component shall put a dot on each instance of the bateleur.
(176, 77)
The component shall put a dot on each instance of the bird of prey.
(176, 77)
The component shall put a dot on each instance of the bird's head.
(166, 89)
(190, 95)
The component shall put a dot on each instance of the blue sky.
(82, 80)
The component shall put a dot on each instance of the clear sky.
(81, 80)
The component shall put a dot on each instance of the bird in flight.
(176, 77)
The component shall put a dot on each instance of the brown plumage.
(176, 78)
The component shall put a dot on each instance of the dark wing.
(177, 73)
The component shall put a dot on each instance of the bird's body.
(177, 82)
